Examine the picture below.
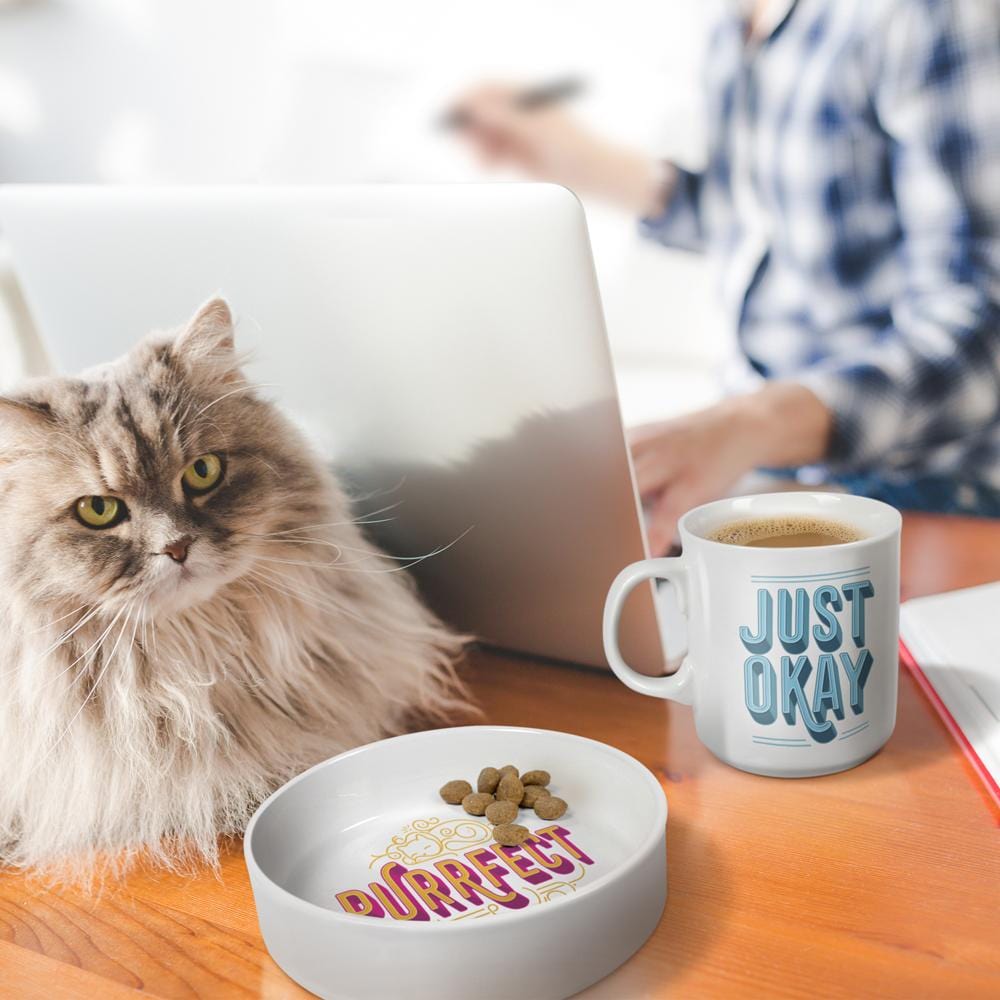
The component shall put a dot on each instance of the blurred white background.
(305, 91)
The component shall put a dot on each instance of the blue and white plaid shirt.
(851, 203)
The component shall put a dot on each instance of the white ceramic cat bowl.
(370, 887)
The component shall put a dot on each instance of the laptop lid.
(443, 346)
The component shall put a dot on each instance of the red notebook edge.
(989, 784)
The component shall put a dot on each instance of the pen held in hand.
(529, 99)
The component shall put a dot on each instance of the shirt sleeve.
(934, 376)
(679, 224)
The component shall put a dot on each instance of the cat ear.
(22, 422)
(206, 345)
(209, 333)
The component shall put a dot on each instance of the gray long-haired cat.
(189, 615)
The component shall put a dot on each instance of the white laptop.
(443, 345)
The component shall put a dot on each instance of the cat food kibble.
(476, 803)
(489, 778)
(501, 812)
(532, 793)
(500, 793)
(454, 791)
(510, 834)
(549, 807)
(510, 788)
(536, 778)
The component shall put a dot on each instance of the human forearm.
(550, 144)
(781, 424)
(630, 179)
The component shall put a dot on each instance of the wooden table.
(880, 882)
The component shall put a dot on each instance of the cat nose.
(178, 548)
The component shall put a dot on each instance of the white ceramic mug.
(792, 654)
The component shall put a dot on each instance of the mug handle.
(677, 686)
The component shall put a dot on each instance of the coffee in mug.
(792, 608)
(786, 532)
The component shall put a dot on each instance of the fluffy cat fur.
(147, 706)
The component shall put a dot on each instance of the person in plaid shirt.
(851, 209)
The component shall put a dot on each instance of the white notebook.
(953, 641)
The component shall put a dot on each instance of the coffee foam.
(759, 528)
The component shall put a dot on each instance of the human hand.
(549, 144)
(684, 462)
(689, 460)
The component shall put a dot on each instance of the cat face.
(148, 483)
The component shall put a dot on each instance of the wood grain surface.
(883, 881)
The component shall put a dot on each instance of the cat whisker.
(321, 602)
(135, 631)
(49, 624)
(380, 491)
(295, 540)
(71, 631)
(267, 465)
(181, 423)
(263, 597)
(283, 536)
(180, 419)
(232, 392)
(307, 541)
(368, 552)
(407, 562)
(361, 519)
(345, 567)
(340, 546)
(434, 552)
(342, 567)
(317, 564)
(206, 423)
(93, 647)
(100, 676)
(298, 540)
(143, 618)
(108, 660)
(73, 446)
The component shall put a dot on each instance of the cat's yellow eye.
(100, 512)
(202, 475)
